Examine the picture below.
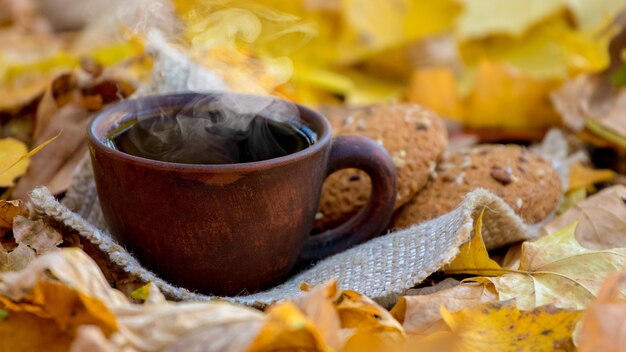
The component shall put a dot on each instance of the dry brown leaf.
(601, 219)
(17, 259)
(592, 102)
(9, 209)
(604, 323)
(420, 315)
(36, 235)
(55, 165)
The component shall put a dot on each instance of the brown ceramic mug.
(232, 228)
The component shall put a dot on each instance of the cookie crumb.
(445, 166)
(460, 178)
(467, 162)
(502, 175)
(398, 161)
(519, 203)
(361, 125)
(432, 172)
(348, 120)
(319, 215)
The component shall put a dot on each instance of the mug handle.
(364, 154)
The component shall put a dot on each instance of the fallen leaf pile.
(54, 296)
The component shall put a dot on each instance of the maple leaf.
(554, 269)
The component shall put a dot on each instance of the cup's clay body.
(229, 229)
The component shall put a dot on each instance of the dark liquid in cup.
(211, 139)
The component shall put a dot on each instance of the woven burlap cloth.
(382, 269)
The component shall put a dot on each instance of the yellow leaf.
(504, 97)
(21, 331)
(286, 328)
(71, 308)
(556, 269)
(500, 326)
(473, 257)
(148, 293)
(581, 176)
(511, 17)
(14, 159)
(359, 312)
(142, 292)
(9, 209)
(435, 88)
(12, 165)
(550, 48)
(498, 96)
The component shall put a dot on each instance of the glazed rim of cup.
(105, 121)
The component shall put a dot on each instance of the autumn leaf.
(21, 331)
(74, 278)
(12, 165)
(511, 17)
(581, 176)
(318, 304)
(556, 269)
(473, 255)
(287, 328)
(501, 326)
(420, 314)
(601, 219)
(491, 95)
(35, 234)
(149, 293)
(537, 37)
(17, 259)
(604, 321)
(9, 209)
(360, 312)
